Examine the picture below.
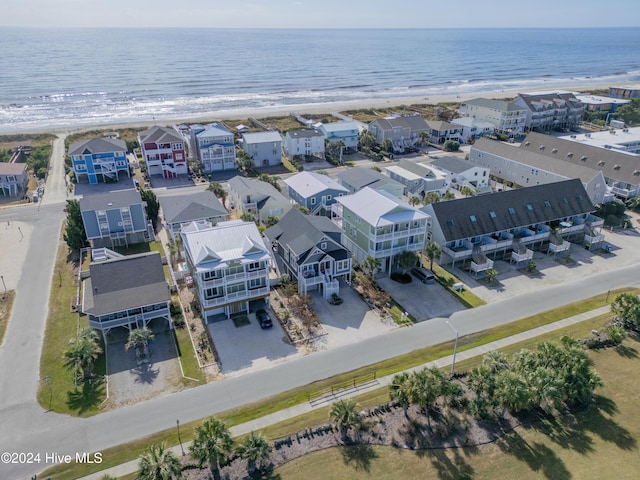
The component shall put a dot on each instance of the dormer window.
(492, 214)
(547, 203)
(529, 207)
(512, 211)
(323, 246)
(472, 218)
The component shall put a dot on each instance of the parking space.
(349, 322)
(248, 347)
(422, 301)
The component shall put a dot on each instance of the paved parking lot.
(249, 347)
(422, 301)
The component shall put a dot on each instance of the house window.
(547, 203)
(492, 214)
(358, 219)
(450, 222)
(353, 232)
(328, 197)
(213, 292)
(313, 200)
(256, 283)
(253, 266)
(529, 207)
(512, 211)
(323, 245)
(472, 218)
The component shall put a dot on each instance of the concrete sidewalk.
(267, 420)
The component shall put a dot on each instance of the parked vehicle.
(425, 276)
(264, 319)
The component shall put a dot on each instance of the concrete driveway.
(422, 301)
(350, 322)
(248, 347)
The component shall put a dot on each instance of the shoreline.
(285, 110)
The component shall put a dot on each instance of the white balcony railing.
(236, 296)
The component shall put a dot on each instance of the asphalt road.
(26, 428)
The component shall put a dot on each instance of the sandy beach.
(315, 108)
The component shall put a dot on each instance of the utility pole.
(455, 347)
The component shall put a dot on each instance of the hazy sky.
(320, 13)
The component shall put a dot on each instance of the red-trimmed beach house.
(164, 152)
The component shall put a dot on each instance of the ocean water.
(72, 77)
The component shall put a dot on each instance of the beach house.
(460, 173)
(13, 179)
(302, 143)
(99, 159)
(229, 265)
(472, 128)
(264, 147)
(257, 198)
(214, 146)
(547, 111)
(180, 210)
(441, 131)
(347, 131)
(377, 224)
(507, 117)
(125, 291)
(314, 191)
(356, 178)
(115, 219)
(402, 130)
(418, 177)
(308, 249)
(510, 224)
(164, 151)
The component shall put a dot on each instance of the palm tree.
(212, 443)
(255, 450)
(399, 391)
(406, 260)
(467, 191)
(512, 392)
(633, 203)
(370, 266)
(139, 338)
(414, 200)
(425, 386)
(431, 197)
(432, 250)
(387, 145)
(158, 463)
(495, 361)
(491, 274)
(626, 307)
(367, 139)
(83, 352)
(218, 190)
(345, 416)
(449, 196)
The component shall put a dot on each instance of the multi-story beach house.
(597, 103)
(125, 291)
(402, 130)
(417, 177)
(229, 264)
(347, 131)
(507, 117)
(629, 91)
(441, 131)
(460, 173)
(525, 168)
(308, 249)
(314, 191)
(115, 219)
(163, 150)
(623, 140)
(264, 147)
(257, 198)
(621, 171)
(356, 178)
(547, 111)
(472, 128)
(377, 224)
(13, 179)
(214, 146)
(99, 159)
(301, 143)
(510, 224)
(180, 210)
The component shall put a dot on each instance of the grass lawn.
(447, 280)
(187, 355)
(6, 305)
(123, 453)
(59, 393)
(601, 442)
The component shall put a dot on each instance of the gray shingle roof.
(160, 135)
(123, 283)
(260, 191)
(499, 105)
(115, 199)
(98, 145)
(453, 164)
(492, 211)
(535, 160)
(615, 165)
(195, 206)
(360, 177)
(307, 133)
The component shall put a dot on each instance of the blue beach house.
(264, 147)
(99, 159)
(346, 131)
(115, 219)
(314, 191)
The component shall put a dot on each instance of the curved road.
(26, 427)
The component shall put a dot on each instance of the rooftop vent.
(601, 163)
(569, 155)
(542, 147)
(583, 158)
(616, 167)
(555, 150)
